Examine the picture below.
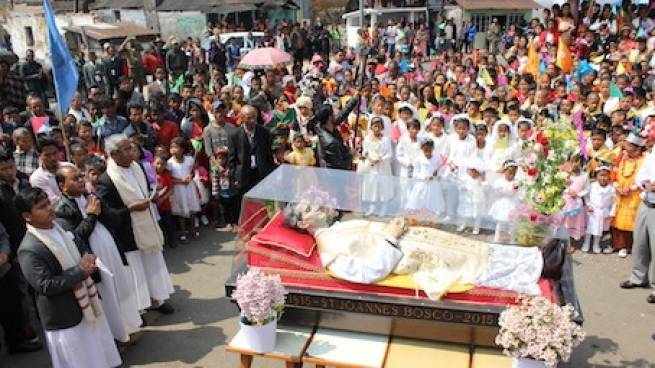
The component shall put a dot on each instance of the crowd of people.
(163, 141)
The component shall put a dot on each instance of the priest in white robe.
(59, 267)
(79, 214)
(129, 212)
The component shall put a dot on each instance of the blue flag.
(64, 69)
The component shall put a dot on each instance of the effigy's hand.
(396, 227)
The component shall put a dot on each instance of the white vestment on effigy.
(361, 251)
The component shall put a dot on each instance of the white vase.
(527, 363)
(260, 339)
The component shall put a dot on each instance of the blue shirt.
(109, 127)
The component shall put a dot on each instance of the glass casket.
(398, 305)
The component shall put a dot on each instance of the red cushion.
(277, 235)
(253, 216)
(261, 255)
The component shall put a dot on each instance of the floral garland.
(548, 166)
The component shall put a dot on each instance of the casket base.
(415, 318)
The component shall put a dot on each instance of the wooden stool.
(404, 352)
(345, 349)
(290, 345)
(490, 358)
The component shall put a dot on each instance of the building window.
(481, 21)
(29, 36)
(117, 15)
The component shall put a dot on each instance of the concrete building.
(188, 18)
(27, 29)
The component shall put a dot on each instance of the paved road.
(618, 323)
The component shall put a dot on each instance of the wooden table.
(403, 353)
(290, 345)
(345, 349)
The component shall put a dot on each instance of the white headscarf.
(495, 138)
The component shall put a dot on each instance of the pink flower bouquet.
(260, 297)
(538, 329)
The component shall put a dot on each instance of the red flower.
(545, 150)
(541, 139)
(532, 171)
(533, 217)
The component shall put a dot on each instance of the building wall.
(21, 18)
(136, 16)
(182, 24)
(16, 25)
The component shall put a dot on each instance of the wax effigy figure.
(367, 252)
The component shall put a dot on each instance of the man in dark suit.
(11, 182)
(65, 321)
(79, 214)
(14, 318)
(251, 155)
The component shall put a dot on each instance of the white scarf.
(147, 233)
(68, 256)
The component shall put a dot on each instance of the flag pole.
(64, 70)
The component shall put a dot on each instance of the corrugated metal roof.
(498, 4)
(106, 31)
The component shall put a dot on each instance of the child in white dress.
(472, 202)
(601, 207)
(186, 203)
(377, 154)
(481, 132)
(435, 130)
(501, 147)
(409, 149)
(506, 191)
(461, 147)
(425, 192)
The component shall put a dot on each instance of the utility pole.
(152, 18)
(361, 14)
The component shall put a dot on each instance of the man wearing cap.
(627, 201)
(217, 134)
(643, 246)
(176, 60)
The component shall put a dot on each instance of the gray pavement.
(619, 323)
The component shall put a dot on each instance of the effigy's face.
(311, 216)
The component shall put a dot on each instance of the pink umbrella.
(264, 58)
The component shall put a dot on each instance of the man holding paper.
(79, 214)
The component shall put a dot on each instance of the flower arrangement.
(538, 329)
(533, 228)
(548, 167)
(260, 297)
